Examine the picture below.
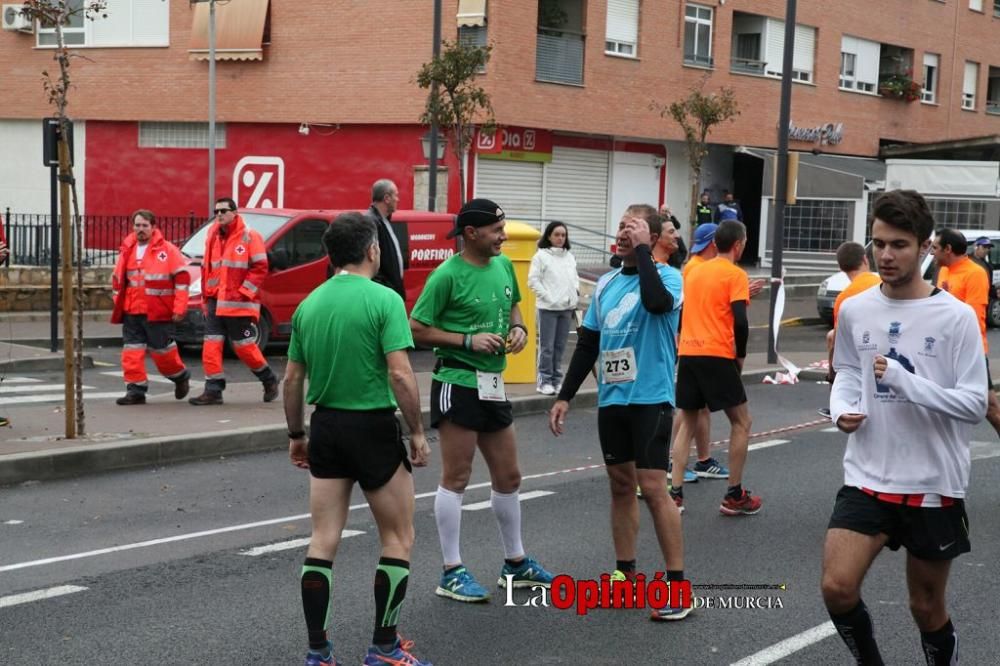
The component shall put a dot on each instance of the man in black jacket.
(385, 200)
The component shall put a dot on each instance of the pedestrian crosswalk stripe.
(531, 494)
(152, 378)
(20, 380)
(34, 388)
(55, 397)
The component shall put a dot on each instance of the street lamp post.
(211, 100)
(781, 180)
(433, 170)
(211, 104)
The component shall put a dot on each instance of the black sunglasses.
(223, 211)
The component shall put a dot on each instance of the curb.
(153, 451)
(49, 364)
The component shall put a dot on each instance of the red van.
(298, 262)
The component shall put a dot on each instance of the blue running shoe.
(689, 476)
(324, 658)
(528, 574)
(459, 584)
(669, 614)
(711, 469)
(400, 656)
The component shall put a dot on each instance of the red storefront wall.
(330, 167)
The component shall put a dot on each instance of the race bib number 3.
(618, 365)
(490, 385)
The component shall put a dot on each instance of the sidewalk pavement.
(166, 430)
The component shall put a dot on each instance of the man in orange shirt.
(965, 280)
(150, 285)
(852, 260)
(713, 346)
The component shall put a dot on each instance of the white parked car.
(831, 287)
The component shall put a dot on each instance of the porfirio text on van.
(298, 263)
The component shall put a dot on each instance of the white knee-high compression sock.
(448, 515)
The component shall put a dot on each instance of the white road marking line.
(767, 443)
(789, 646)
(246, 526)
(56, 397)
(21, 380)
(35, 388)
(38, 595)
(13, 522)
(833, 429)
(290, 545)
(531, 494)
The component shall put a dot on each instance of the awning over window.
(239, 30)
(471, 13)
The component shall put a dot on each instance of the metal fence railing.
(29, 236)
(592, 249)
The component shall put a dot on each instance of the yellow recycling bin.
(520, 247)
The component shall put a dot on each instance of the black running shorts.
(709, 380)
(461, 405)
(634, 433)
(927, 533)
(366, 446)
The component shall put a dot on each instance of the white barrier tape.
(791, 376)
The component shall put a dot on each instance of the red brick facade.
(355, 62)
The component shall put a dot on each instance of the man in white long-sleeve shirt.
(911, 383)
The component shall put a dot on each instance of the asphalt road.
(160, 557)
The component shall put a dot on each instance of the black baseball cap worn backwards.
(477, 213)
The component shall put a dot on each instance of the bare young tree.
(697, 114)
(57, 14)
(455, 101)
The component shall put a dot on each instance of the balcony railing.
(993, 106)
(747, 66)
(698, 60)
(559, 56)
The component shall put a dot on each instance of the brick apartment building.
(316, 100)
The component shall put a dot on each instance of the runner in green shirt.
(468, 312)
(350, 338)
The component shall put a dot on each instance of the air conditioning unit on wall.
(14, 20)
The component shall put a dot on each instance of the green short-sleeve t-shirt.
(462, 298)
(342, 332)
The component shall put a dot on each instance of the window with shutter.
(622, 36)
(931, 65)
(969, 85)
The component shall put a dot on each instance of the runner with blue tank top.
(631, 329)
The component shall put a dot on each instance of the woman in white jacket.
(556, 285)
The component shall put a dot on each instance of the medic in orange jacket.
(150, 285)
(233, 269)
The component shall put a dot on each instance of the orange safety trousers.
(140, 334)
(242, 334)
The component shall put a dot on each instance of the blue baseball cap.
(984, 240)
(703, 235)
(728, 214)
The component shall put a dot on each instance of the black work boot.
(270, 390)
(181, 388)
(207, 398)
(132, 399)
